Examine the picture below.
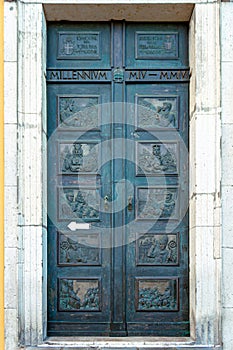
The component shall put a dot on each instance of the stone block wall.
(227, 173)
(25, 136)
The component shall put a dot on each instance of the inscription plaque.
(79, 45)
(155, 45)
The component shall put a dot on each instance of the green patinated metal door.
(117, 131)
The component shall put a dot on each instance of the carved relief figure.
(73, 161)
(74, 205)
(75, 295)
(80, 112)
(158, 159)
(91, 299)
(156, 203)
(73, 252)
(169, 205)
(68, 298)
(78, 158)
(156, 114)
(161, 249)
(156, 297)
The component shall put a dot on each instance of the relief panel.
(79, 45)
(156, 112)
(157, 203)
(157, 249)
(157, 158)
(77, 111)
(78, 158)
(78, 249)
(157, 294)
(156, 45)
(78, 203)
(78, 294)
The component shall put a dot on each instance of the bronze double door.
(117, 129)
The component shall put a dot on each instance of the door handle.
(130, 203)
(106, 202)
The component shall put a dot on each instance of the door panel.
(79, 45)
(156, 266)
(150, 45)
(117, 115)
(79, 269)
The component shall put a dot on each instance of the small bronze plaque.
(78, 45)
(156, 45)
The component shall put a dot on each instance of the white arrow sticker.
(77, 226)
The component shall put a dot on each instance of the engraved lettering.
(67, 75)
(143, 74)
(175, 75)
(55, 75)
(138, 75)
(81, 75)
(185, 74)
(151, 45)
(132, 75)
(79, 45)
(102, 75)
(178, 75)
(94, 74)
(87, 74)
(74, 74)
(164, 75)
(77, 75)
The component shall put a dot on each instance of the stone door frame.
(205, 170)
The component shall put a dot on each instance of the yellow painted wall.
(1, 177)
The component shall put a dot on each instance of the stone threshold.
(132, 343)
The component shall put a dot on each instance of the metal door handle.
(130, 203)
(106, 202)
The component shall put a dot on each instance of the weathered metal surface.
(118, 75)
(156, 45)
(157, 158)
(78, 45)
(79, 249)
(157, 203)
(155, 249)
(153, 294)
(135, 287)
(78, 295)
